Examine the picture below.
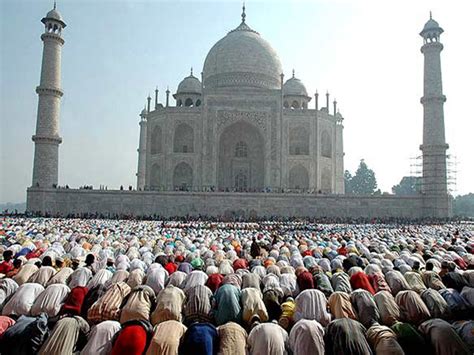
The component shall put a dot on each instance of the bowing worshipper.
(166, 338)
(140, 302)
(156, 278)
(346, 336)
(99, 339)
(107, 307)
(340, 282)
(305, 280)
(61, 277)
(232, 279)
(80, 277)
(359, 280)
(26, 271)
(431, 279)
(268, 338)
(415, 281)
(17, 263)
(251, 280)
(388, 308)
(458, 306)
(412, 308)
(253, 306)
(214, 281)
(177, 279)
(45, 272)
(22, 300)
(467, 294)
(118, 276)
(383, 340)
(307, 337)
(443, 338)
(65, 336)
(365, 308)
(312, 304)
(169, 305)
(227, 306)
(288, 309)
(5, 323)
(197, 306)
(50, 300)
(411, 341)
(73, 304)
(232, 339)
(100, 278)
(25, 337)
(322, 281)
(194, 278)
(133, 338)
(199, 339)
(436, 304)
(396, 282)
(340, 305)
(7, 264)
(136, 277)
(454, 280)
(7, 288)
(465, 329)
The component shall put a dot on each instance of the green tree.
(348, 182)
(363, 182)
(463, 206)
(409, 185)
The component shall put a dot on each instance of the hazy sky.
(366, 53)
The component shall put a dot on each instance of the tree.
(363, 182)
(348, 182)
(463, 206)
(408, 186)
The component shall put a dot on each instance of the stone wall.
(66, 201)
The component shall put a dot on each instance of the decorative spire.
(191, 71)
(243, 12)
(54, 6)
(431, 15)
(293, 73)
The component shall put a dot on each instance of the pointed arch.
(156, 141)
(326, 144)
(183, 141)
(299, 141)
(155, 178)
(298, 178)
(183, 176)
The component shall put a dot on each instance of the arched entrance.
(241, 158)
(183, 177)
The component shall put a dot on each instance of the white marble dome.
(242, 59)
(189, 85)
(294, 87)
(55, 15)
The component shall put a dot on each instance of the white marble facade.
(241, 128)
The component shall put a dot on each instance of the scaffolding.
(416, 170)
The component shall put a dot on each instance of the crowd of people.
(130, 287)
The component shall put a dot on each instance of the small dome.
(294, 87)
(430, 25)
(189, 85)
(55, 15)
(143, 113)
(431, 28)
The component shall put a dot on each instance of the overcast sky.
(366, 53)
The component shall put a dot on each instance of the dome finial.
(293, 73)
(243, 12)
(54, 6)
(431, 15)
(191, 71)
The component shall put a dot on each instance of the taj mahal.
(238, 139)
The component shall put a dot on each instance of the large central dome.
(242, 59)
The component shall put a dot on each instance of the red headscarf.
(240, 264)
(361, 280)
(305, 281)
(214, 281)
(131, 340)
(74, 301)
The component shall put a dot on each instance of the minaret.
(434, 183)
(141, 169)
(47, 139)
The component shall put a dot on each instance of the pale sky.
(365, 52)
